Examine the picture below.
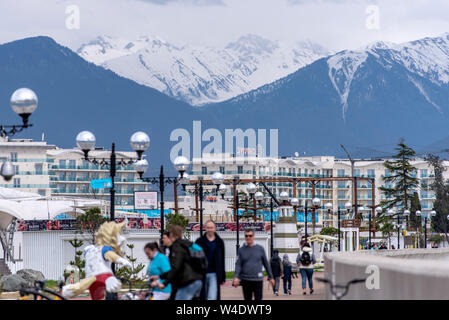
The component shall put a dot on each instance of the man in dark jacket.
(185, 280)
(276, 269)
(213, 247)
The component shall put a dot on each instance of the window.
(94, 175)
(16, 182)
(222, 169)
(72, 176)
(423, 173)
(13, 156)
(341, 194)
(341, 173)
(72, 164)
(357, 172)
(38, 168)
(371, 173)
(16, 169)
(239, 169)
(203, 170)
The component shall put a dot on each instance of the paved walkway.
(228, 292)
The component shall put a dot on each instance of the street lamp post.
(378, 210)
(85, 140)
(426, 216)
(23, 102)
(181, 164)
(316, 203)
(259, 196)
(329, 209)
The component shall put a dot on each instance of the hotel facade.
(51, 171)
(335, 192)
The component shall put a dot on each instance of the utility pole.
(354, 184)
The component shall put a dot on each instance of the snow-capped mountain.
(200, 75)
(365, 97)
(426, 58)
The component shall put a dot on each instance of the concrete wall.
(403, 274)
(50, 251)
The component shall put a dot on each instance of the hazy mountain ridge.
(201, 75)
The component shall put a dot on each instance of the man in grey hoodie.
(249, 268)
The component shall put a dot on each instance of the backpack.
(305, 258)
(198, 259)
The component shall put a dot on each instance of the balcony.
(33, 173)
(30, 186)
(89, 167)
(33, 160)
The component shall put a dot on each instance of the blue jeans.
(307, 274)
(190, 291)
(211, 286)
(287, 284)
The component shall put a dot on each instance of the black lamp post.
(181, 164)
(316, 203)
(426, 216)
(23, 102)
(251, 188)
(258, 196)
(85, 140)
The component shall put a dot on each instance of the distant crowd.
(182, 270)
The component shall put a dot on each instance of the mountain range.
(367, 97)
(198, 74)
(371, 96)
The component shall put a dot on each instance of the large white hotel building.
(51, 171)
(336, 192)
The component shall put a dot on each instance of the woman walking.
(159, 265)
(306, 260)
(287, 274)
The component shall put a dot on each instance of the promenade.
(228, 292)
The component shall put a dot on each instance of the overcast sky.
(335, 24)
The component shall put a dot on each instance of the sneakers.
(311, 291)
(304, 293)
(276, 293)
(289, 293)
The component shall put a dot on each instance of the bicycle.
(334, 288)
(39, 292)
(144, 293)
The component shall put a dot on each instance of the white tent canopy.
(11, 194)
(31, 206)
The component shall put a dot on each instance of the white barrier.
(50, 251)
(14, 267)
(391, 274)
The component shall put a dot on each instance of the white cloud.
(336, 24)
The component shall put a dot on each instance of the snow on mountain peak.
(198, 74)
(251, 44)
(342, 68)
(427, 58)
